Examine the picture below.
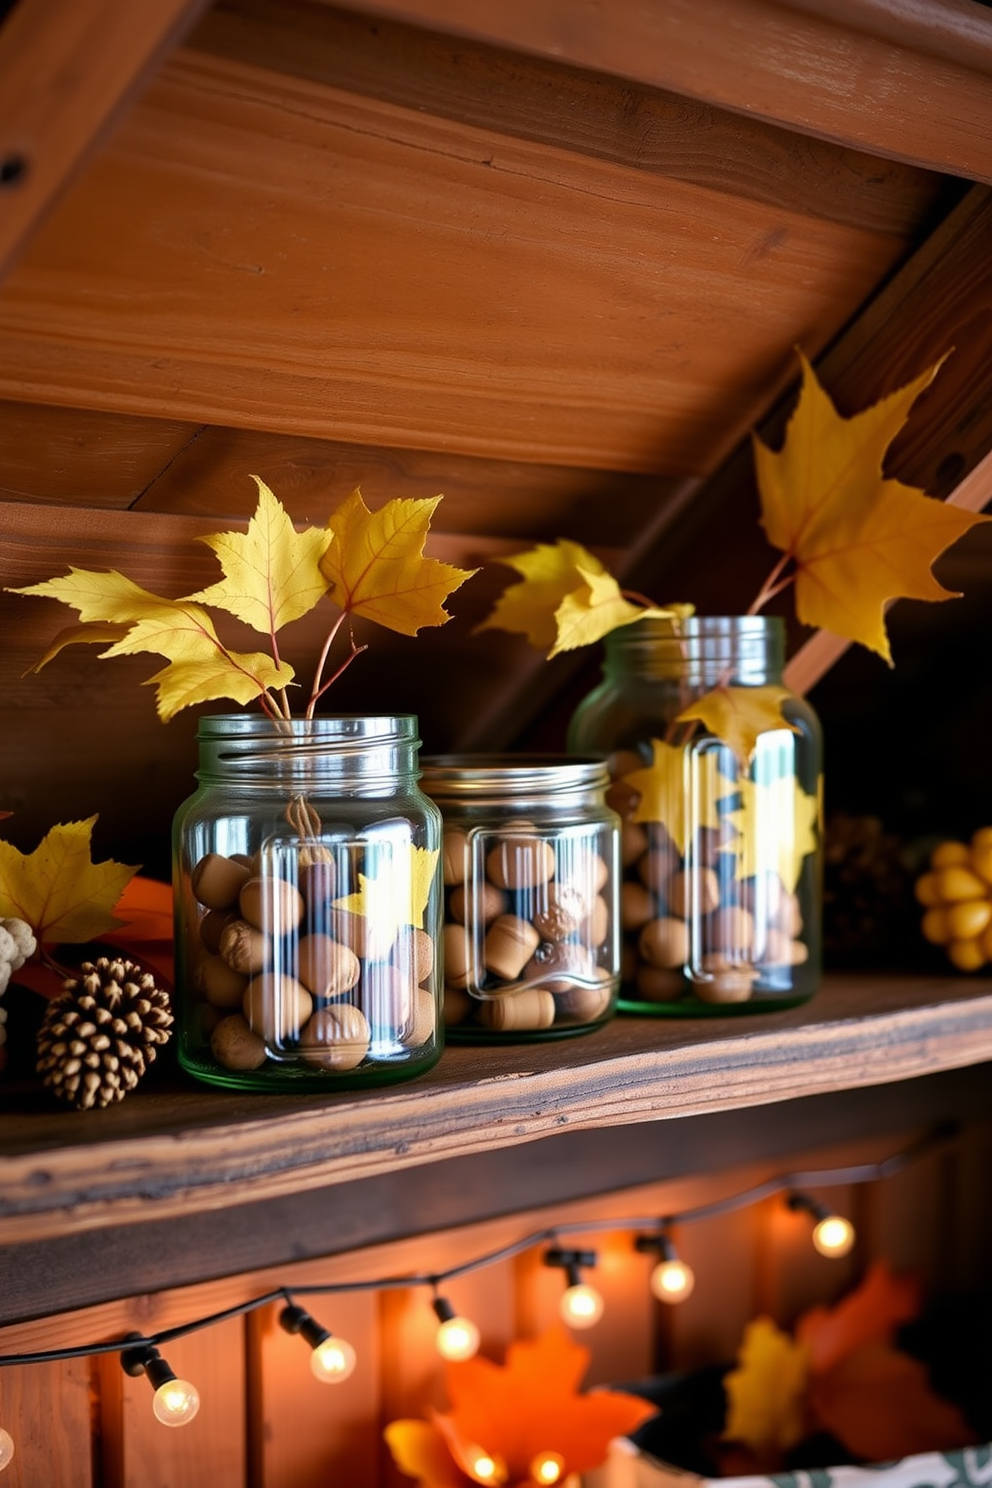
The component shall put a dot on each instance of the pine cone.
(99, 1035)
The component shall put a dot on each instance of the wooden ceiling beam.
(903, 79)
(67, 69)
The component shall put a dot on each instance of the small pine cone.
(100, 1034)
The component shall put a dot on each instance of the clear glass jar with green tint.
(720, 902)
(531, 873)
(308, 905)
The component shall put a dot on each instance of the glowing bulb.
(176, 1402)
(834, 1236)
(457, 1338)
(6, 1448)
(485, 1468)
(581, 1306)
(547, 1467)
(333, 1360)
(672, 1281)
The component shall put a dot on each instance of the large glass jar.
(308, 903)
(720, 902)
(531, 872)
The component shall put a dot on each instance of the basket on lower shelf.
(970, 1467)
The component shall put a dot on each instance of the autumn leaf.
(869, 1314)
(516, 1411)
(879, 1403)
(98, 594)
(57, 889)
(376, 567)
(271, 572)
(738, 715)
(857, 539)
(91, 634)
(765, 1392)
(777, 824)
(200, 666)
(398, 893)
(566, 598)
(664, 796)
(590, 612)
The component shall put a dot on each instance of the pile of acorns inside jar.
(740, 938)
(529, 930)
(284, 973)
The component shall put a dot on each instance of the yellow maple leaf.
(98, 594)
(766, 1391)
(738, 715)
(664, 790)
(200, 666)
(777, 823)
(376, 567)
(58, 890)
(94, 633)
(590, 612)
(857, 539)
(271, 572)
(399, 892)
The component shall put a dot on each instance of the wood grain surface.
(906, 82)
(165, 1155)
(259, 250)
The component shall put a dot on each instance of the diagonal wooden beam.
(903, 79)
(67, 68)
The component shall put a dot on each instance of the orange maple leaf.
(857, 539)
(869, 1314)
(516, 1412)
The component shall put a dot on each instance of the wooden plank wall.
(266, 1423)
(335, 249)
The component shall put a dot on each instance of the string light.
(176, 1401)
(457, 1337)
(833, 1235)
(333, 1359)
(671, 1280)
(581, 1306)
(547, 1467)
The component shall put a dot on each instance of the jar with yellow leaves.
(721, 845)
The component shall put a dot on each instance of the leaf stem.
(774, 584)
(636, 597)
(355, 651)
(317, 689)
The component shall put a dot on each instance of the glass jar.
(720, 903)
(531, 871)
(308, 905)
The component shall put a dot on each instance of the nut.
(454, 857)
(459, 959)
(234, 1046)
(212, 926)
(220, 984)
(696, 891)
(559, 965)
(337, 1037)
(665, 943)
(509, 946)
(562, 913)
(424, 1021)
(217, 881)
(519, 1011)
(276, 1007)
(636, 905)
(487, 903)
(658, 984)
(244, 948)
(584, 1004)
(520, 862)
(325, 967)
(271, 904)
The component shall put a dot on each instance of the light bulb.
(333, 1360)
(672, 1281)
(457, 1338)
(834, 1236)
(176, 1402)
(6, 1448)
(485, 1468)
(547, 1467)
(581, 1306)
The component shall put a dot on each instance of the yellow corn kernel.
(968, 918)
(959, 883)
(935, 927)
(949, 855)
(981, 860)
(966, 955)
(982, 838)
(928, 889)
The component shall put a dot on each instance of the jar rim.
(477, 775)
(749, 627)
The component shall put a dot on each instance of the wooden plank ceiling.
(548, 268)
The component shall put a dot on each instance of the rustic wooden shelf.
(170, 1152)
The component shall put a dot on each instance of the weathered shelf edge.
(856, 1033)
